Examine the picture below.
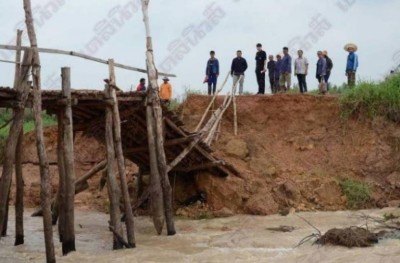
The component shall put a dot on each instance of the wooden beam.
(172, 142)
(87, 57)
(203, 166)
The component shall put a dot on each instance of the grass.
(357, 193)
(370, 100)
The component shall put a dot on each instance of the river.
(240, 238)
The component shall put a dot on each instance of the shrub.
(357, 193)
(369, 99)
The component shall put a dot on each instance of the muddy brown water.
(240, 238)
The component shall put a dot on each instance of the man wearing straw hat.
(352, 64)
(165, 91)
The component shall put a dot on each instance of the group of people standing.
(280, 70)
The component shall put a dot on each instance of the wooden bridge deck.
(88, 116)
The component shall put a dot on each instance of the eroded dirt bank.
(292, 151)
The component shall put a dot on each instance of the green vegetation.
(174, 105)
(204, 216)
(389, 216)
(357, 193)
(370, 100)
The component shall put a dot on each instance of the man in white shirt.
(301, 70)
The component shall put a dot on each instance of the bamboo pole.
(80, 55)
(235, 126)
(68, 243)
(12, 140)
(37, 110)
(112, 184)
(212, 102)
(120, 158)
(158, 124)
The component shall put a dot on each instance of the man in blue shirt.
(212, 73)
(285, 79)
(352, 64)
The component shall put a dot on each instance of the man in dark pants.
(329, 67)
(212, 73)
(261, 58)
(278, 66)
(301, 71)
(238, 68)
(271, 73)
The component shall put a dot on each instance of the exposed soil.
(88, 152)
(292, 151)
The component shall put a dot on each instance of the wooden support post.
(156, 193)
(45, 191)
(58, 210)
(68, 243)
(19, 198)
(112, 184)
(120, 158)
(156, 120)
(19, 180)
(11, 143)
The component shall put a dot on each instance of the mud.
(241, 238)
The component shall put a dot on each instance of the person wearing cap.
(301, 71)
(285, 79)
(271, 72)
(141, 87)
(352, 64)
(238, 68)
(329, 67)
(278, 66)
(212, 73)
(261, 58)
(165, 91)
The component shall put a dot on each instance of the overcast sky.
(221, 25)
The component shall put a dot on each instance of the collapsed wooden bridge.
(132, 125)
(88, 113)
